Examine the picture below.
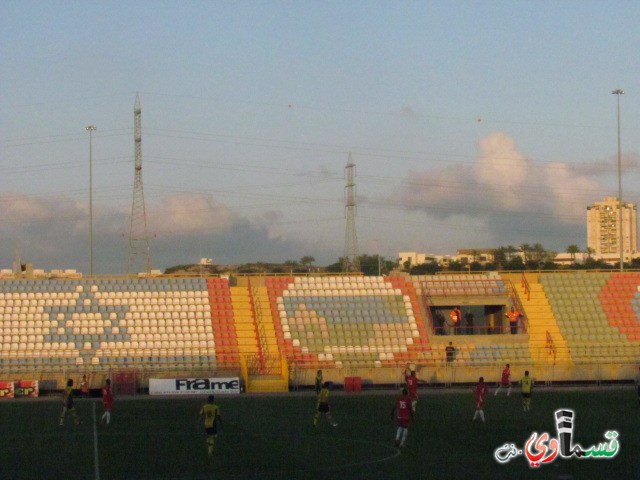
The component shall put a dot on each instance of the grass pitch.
(272, 437)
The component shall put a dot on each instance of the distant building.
(480, 255)
(603, 230)
(569, 259)
(465, 257)
(415, 258)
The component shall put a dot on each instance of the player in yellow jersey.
(527, 387)
(67, 404)
(323, 406)
(211, 414)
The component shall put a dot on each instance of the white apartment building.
(603, 230)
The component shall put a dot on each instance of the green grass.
(267, 437)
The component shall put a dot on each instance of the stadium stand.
(484, 289)
(547, 345)
(158, 323)
(575, 322)
(222, 319)
(456, 284)
(620, 301)
(347, 321)
(595, 314)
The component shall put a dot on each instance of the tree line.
(524, 257)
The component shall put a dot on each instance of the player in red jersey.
(407, 371)
(412, 388)
(481, 394)
(84, 387)
(107, 401)
(505, 381)
(403, 414)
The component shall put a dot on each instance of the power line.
(365, 152)
(62, 138)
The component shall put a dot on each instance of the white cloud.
(190, 214)
(269, 222)
(53, 232)
(630, 163)
(502, 169)
(516, 198)
(21, 214)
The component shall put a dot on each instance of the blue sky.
(472, 125)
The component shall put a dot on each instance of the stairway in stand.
(246, 331)
(274, 376)
(540, 321)
(263, 369)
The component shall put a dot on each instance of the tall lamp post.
(617, 92)
(90, 129)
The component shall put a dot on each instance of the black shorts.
(526, 395)
(323, 407)
(69, 403)
(211, 430)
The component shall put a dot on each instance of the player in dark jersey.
(107, 401)
(480, 393)
(211, 414)
(323, 407)
(403, 414)
(67, 404)
(527, 387)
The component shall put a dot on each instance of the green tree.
(525, 248)
(307, 261)
(549, 261)
(475, 267)
(500, 257)
(335, 267)
(539, 253)
(516, 263)
(572, 250)
(589, 251)
(456, 266)
(429, 268)
(369, 264)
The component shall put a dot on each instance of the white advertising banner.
(190, 386)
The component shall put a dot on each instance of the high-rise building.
(603, 230)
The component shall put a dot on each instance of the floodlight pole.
(90, 129)
(617, 92)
